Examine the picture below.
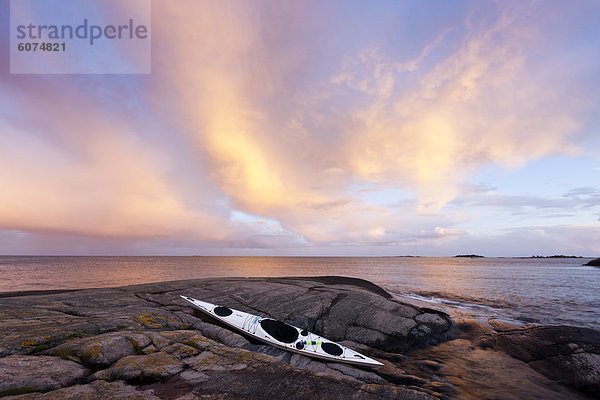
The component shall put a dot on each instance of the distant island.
(594, 263)
(469, 256)
(556, 256)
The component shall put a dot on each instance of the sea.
(555, 291)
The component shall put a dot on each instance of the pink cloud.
(247, 111)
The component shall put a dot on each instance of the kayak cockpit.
(279, 330)
(222, 311)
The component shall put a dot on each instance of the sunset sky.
(316, 128)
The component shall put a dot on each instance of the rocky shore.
(144, 342)
(594, 263)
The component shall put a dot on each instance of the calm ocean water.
(548, 291)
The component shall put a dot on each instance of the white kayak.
(284, 336)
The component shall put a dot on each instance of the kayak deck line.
(284, 336)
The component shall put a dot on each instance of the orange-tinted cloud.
(276, 114)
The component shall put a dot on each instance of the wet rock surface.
(594, 263)
(566, 354)
(497, 359)
(145, 342)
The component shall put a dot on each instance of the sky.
(347, 128)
